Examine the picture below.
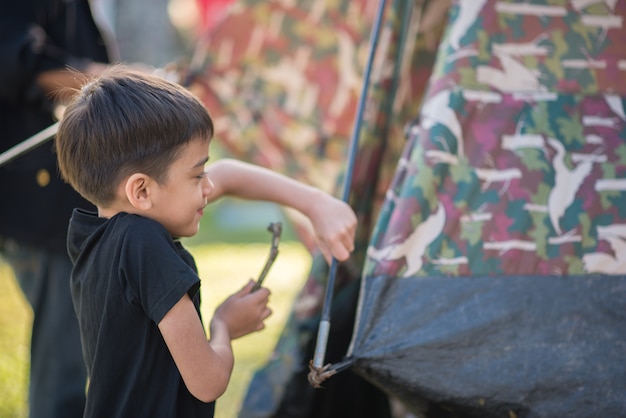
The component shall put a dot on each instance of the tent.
(491, 280)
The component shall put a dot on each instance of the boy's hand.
(334, 223)
(243, 312)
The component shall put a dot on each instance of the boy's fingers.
(338, 252)
(247, 287)
(344, 243)
(347, 240)
(264, 315)
(261, 295)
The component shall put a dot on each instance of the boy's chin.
(187, 233)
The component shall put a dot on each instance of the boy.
(136, 146)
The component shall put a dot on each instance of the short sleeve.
(152, 271)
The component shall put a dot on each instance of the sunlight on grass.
(15, 323)
(224, 269)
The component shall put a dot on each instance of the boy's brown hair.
(125, 122)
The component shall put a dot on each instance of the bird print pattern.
(521, 142)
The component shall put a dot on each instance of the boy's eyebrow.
(202, 162)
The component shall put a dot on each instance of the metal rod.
(276, 229)
(324, 327)
(29, 144)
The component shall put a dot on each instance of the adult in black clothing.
(39, 40)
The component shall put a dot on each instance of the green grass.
(224, 268)
(15, 322)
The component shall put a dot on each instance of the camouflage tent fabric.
(284, 95)
(495, 278)
(283, 92)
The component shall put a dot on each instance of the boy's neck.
(113, 210)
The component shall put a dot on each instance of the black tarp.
(496, 346)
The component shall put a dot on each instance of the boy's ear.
(138, 191)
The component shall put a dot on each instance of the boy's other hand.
(245, 311)
(334, 223)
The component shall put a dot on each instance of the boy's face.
(179, 203)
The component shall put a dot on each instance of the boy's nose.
(208, 186)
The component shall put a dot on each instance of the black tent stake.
(316, 365)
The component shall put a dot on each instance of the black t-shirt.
(128, 273)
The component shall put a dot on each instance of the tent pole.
(29, 144)
(324, 326)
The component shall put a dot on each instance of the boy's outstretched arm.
(206, 366)
(334, 222)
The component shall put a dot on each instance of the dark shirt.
(38, 35)
(128, 273)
